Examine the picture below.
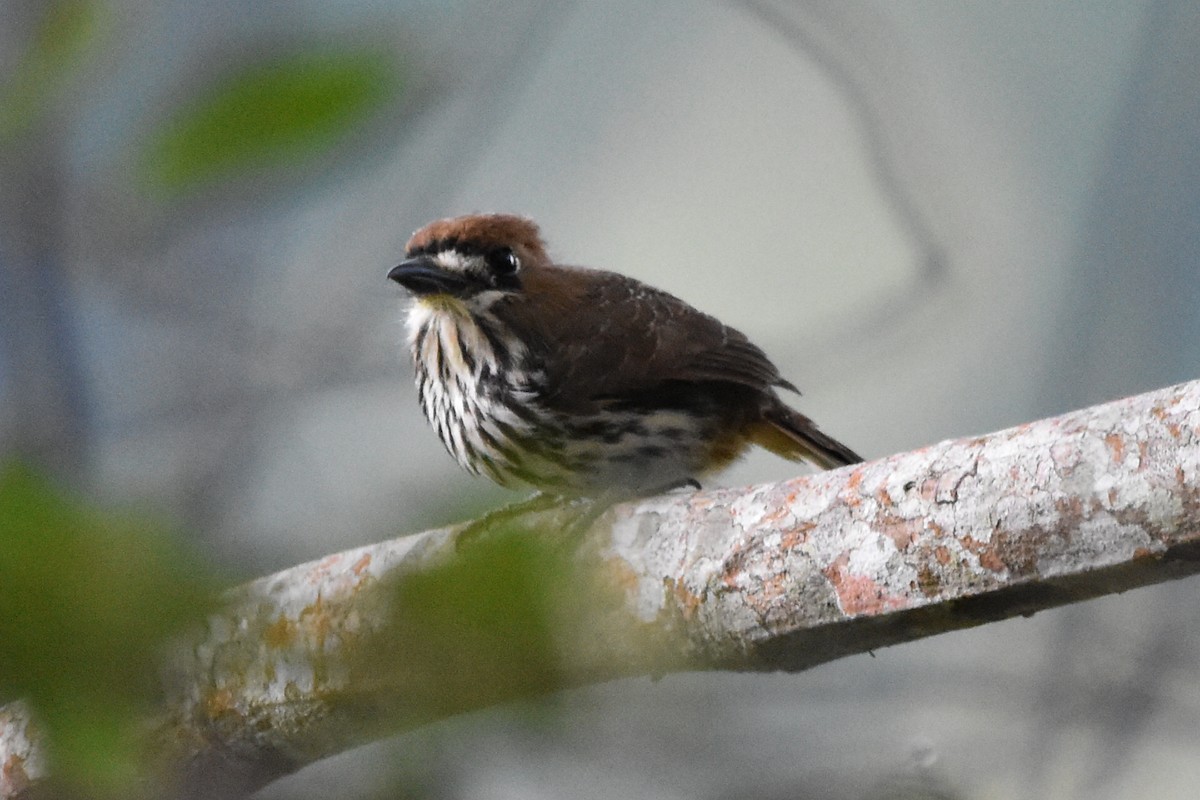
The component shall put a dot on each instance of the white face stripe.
(454, 261)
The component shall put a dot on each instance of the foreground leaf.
(86, 602)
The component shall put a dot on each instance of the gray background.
(939, 218)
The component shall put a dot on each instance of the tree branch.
(775, 577)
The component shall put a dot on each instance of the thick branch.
(782, 576)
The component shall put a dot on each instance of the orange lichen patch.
(941, 554)
(1116, 444)
(773, 586)
(322, 569)
(1144, 552)
(219, 704)
(686, 601)
(901, 530)
(988, 554)
(1143, 454)
(858, 594)
(777, 513)
(316, 618)
(768, 595)
(280, 633)
(1071, 507)
(361, 564)
(850, 493)
(990, 560)
(1018, 554)
(797, 536)
(1161, 415)
(884, 498)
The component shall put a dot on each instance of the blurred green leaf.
(485, 627)
(87, 600)
(66, 30)
(271, 114)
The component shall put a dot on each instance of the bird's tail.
(788, 433)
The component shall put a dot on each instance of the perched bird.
(580, 382)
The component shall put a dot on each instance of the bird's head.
(474, 260)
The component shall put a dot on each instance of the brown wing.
(603, 335)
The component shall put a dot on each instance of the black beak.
(422, 275)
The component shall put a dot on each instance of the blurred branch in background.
(320, 657)
(41, 372)
(88, 187)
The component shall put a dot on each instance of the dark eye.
(504, 261)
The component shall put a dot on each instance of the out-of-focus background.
(940, 218)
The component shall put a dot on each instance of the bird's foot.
(503, 517)
(573, 516)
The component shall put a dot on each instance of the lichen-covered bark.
(22, 750)
(782, 576)
(788, 575)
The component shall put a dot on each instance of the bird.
(580, 382)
